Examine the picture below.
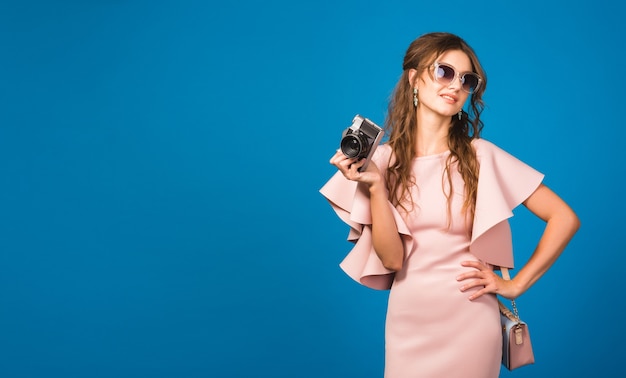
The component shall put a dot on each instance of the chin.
(448, 114)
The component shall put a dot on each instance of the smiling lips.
(449, 98)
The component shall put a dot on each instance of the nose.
(456, 82)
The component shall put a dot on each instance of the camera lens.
(351, 146)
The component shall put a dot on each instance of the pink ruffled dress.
(432, 329)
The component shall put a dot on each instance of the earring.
(415, 97)
(460, 114)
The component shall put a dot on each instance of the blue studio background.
(160, 165)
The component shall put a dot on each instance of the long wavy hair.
(401, 124)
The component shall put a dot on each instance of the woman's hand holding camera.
(349, 167)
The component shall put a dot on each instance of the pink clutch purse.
(517, 349)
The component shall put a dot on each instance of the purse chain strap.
(507, 276)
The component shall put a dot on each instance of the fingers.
(338, 154)
(353, 172)
(478, 294)
(339, 159)
(482, 278)
(480, 267)
(475, 264)
(485, 286)
(348, 166)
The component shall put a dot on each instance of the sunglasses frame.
(457, 75)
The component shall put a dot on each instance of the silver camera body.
(361, 139)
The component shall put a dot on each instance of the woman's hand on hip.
(486, 280)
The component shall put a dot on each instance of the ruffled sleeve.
(350, 201)
(504, 182)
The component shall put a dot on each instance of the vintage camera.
(361, 139)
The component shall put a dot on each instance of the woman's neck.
(432, 134)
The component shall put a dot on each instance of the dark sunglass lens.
(444, 73)
(470, 82)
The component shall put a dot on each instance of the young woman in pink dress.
(429, 218)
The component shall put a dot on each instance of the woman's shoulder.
(384, 149)
(484, 147)
(382, 154)
(482, 144)
(489, 154)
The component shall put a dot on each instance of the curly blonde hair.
(401, 123)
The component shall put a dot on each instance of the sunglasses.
(445, 74)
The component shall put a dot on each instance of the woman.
(429, 218)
